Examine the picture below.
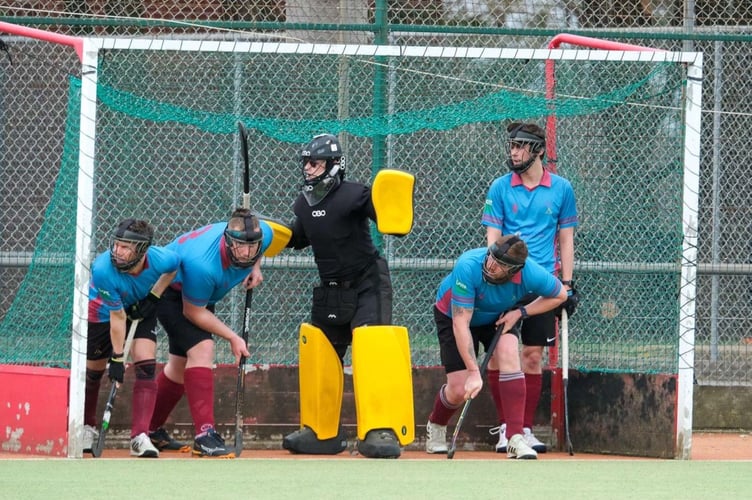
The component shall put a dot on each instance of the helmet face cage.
(322, 147)
(501, 256)
(126, 234)
(519, 136)
(247, 236)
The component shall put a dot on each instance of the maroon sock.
(168, 396)
(513, 395)
(199, 387)
(442, 409)
(492, 379)
(91, 396)
(144, 397)
(533, 387)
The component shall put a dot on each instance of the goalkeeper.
(352, 304)
(126, 283)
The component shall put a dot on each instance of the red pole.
(47, 36)
(557, 385)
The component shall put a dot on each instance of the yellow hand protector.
(392, 194)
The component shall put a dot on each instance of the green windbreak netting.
(167, 151)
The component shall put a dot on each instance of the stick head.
(246, 172)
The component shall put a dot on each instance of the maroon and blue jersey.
(465, 287)
(535, 215)
(206, 273)
(112, 290)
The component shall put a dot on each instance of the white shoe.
(501, 446)
(90, 437)
(518, 448)
(436, 438)
(533, 441)
(141, 446)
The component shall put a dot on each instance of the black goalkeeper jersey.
(338, 231)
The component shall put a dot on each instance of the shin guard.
(382, 381)
(321, 383)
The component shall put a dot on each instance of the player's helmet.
(322, 147)
(134, 231)
(243, 228)
(508, 251)
(521, 133)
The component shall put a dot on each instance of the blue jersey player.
(539, 207)
(213, 260)
(483, 292)
(126, 284)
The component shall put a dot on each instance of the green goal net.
(164, 148)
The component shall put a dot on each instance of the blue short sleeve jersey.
(112, 290)
(206, 274)
(465, 287)
(535, 214)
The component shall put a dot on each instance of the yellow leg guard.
(383, 381)
(321, 383)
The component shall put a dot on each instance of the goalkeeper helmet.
(324, 148)
(243, 238)
(521, 134)
(505, 258)
(137, 233)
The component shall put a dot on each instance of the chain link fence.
(37, 137)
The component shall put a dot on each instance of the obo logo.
(318, 213)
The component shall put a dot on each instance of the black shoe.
(380, 443)
(164, 442)
(211, 444)
(305, 441)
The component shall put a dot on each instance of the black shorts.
(181, 333)
(99, 343)
(450, 355)
(374, 307)
(538, 330)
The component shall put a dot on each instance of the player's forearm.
(162, 283)
(545, 304)
(566, 253)
(206, 320)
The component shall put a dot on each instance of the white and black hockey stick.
(240, 388)
(98, 447)
(466, 407)
(565, 375)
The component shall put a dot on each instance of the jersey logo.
(318, 213)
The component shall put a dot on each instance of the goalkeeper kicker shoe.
(518, 448)
(305, 441)
(533, 441)
(90, 437)
(162, 440)
(141, 447)
(380, 443)
(501, 446)
(211, 444)
(436, 438)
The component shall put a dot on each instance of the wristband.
(523, 312)
(152, 297)
(117, 357)
(569, 283)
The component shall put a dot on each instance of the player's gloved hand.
(144, 308)
(573, 299)
(117, 368)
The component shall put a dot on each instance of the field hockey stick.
(565, 375)
(483, 366)
(96, 450)
(240, 389)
